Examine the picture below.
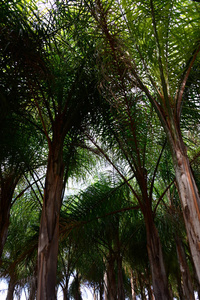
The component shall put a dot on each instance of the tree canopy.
(99, 156)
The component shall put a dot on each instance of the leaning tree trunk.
(189, 195)
(159, 277)
(49, 225)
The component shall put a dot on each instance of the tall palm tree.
(154, 47)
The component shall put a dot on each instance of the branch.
(24, 190)
(155, 170)
(161, 197)
(164, 85)
(180, 94)
(114, 166)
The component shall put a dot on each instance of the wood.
(190, 200)
(159, 277)
(49, 226)
(188, 290)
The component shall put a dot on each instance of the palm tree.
(61, 84)
(19, 141)
(100, 219)
(135, 131)
(154, 46)
(20, 251)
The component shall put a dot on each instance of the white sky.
(86, 294)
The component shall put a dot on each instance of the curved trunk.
(49, 226)
(159, 277)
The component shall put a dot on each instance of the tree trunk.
(149, 286)
(187, 281)
(11, 289)
(190, 201)
(110, 281)
(120, 283)
(65, 294)
(77, 295)
(132, 286)
(49, 226)
(179, 286)
(94, 293)
(100, 290)
(142, 287)
(159, 277)
(33, 288)
(65, 290)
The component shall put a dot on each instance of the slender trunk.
(159, 277)
(77, 295)
(132, 286)
(188, 191)
(120, 283)
(190, 201)
(111, 289)
(11, 288)
(100, 290)
(65, 295)
(94, 294)
(33, 288)
(149, 286)
(187, 281)
(49, 226)
(179, 286)
(65, 290)
(142, 287)
(105, 286)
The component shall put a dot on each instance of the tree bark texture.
(101, 290)
(33, 288)
(159, 277)
(11, 289)
(49, 226)
(111, 288)
(120, 283)
(133, 286)
(187, 281)
(190, 202)
(65, 290)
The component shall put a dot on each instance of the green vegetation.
(102, 94)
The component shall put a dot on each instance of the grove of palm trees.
(100, 149)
